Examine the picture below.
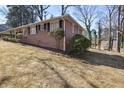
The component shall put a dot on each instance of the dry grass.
(27, 66)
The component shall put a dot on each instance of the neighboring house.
(38, 33)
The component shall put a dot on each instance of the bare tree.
(95, 37)
(120, 27)
(110, 11)
(99, 34)
(64, 9)
(40, 10)
(87, 15)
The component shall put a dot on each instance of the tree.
(119, 14)
(40, 9)
(64, 9)
(20, 15)
(99, 34)
(95, 37)
(110, 11)
(120, 27)
(87, 15)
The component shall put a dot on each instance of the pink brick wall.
(69, 32)
(42, 39)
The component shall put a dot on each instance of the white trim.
(73, 26)
(64, 37)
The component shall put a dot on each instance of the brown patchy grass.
(27, 66)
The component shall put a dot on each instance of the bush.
(57, 33)
(79, 44)
(19, 36)
(11, 40)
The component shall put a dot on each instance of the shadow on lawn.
(94, 58)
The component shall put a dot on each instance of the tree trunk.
(62, 13)
(95, 41)
(89, 33)
(118, 47)
(110, 37)
(118, 44)
(123, 37)
(99, 44)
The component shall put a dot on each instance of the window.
(54, 25)
(36, 29)
(33, 30)
(48, 26)
(44, 26)
(29, 30)
(61, 23)
(39, 27)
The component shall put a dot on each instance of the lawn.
(28, 66)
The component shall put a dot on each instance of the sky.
(55, 10)
(2, 17)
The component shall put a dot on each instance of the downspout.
(64, 41)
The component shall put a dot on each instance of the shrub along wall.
(11, 40)
(79, 44)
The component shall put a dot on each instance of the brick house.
(38, 33)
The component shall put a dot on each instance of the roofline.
(59, 17)
(75, 21)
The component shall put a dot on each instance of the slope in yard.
(27, 66)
